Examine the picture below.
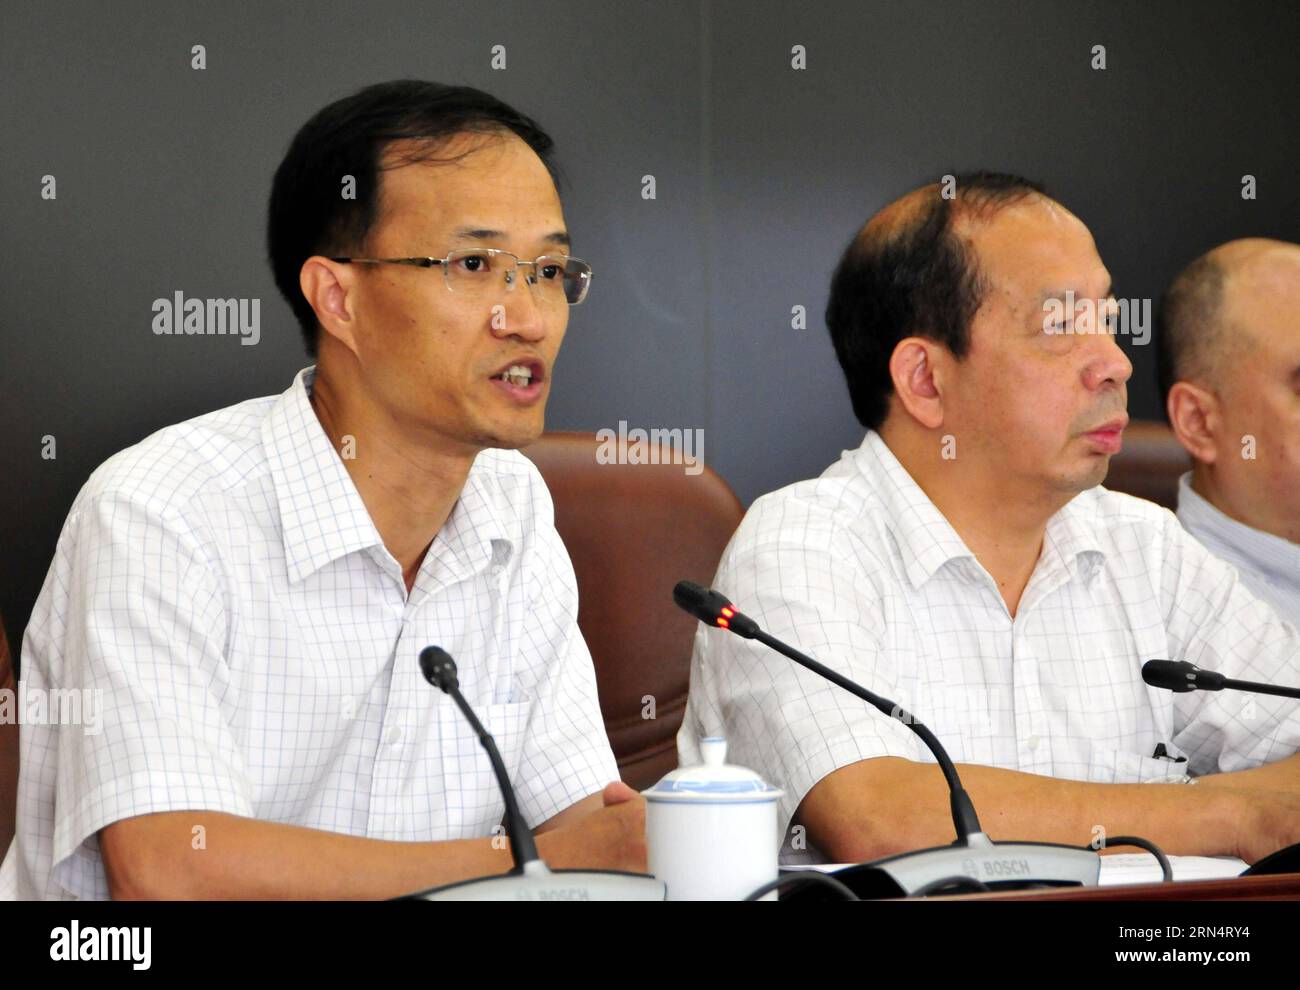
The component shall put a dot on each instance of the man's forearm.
(885, 806)
(154, 857)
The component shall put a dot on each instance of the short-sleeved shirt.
(241, 641)
(860, 570)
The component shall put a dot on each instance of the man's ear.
(912, 367)
(327, 286)
(1195, 416)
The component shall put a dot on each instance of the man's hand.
(1269, 821)
(611, 838)
(1267, 800)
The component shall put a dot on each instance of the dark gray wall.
(763, 173)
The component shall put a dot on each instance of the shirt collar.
(1233, 540)
(927, 540)
(1072, 539)
(475, 536)
(324, 518)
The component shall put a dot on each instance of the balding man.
(965, 562)
(1228, 358)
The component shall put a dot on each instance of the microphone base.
(998, 865)
(536, 882)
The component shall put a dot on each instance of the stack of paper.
(1120, 868)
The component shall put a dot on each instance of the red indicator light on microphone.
(728, 611)
(723, 623)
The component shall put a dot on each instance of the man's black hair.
(308, 214)
(916, 279)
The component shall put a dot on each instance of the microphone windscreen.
(438, 668)
(690, 596)
(1172, 675)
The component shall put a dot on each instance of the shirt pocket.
(472, 796)
(1107, 765)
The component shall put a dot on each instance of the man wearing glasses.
(248, 592)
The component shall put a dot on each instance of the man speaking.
(249, 591)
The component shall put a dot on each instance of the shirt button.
(393, 735)
(1033, 742)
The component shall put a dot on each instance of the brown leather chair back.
(633, 530)
(1149, 464)
(8, 751)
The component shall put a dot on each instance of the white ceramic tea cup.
(711, 829)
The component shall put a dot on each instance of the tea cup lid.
(714, 780)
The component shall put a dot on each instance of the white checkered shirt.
(860, 570)
(223, 593)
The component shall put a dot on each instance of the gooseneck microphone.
(973, 856)
(1181, 677)
(713, 609)
(439, 669)
(530, 879)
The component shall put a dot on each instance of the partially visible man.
(1228, 360)
(965, 562)
(244, 596)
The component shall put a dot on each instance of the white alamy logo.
(655, 446)
(53, 706)
(1064, 315)
(77, 944)
(181, 316)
